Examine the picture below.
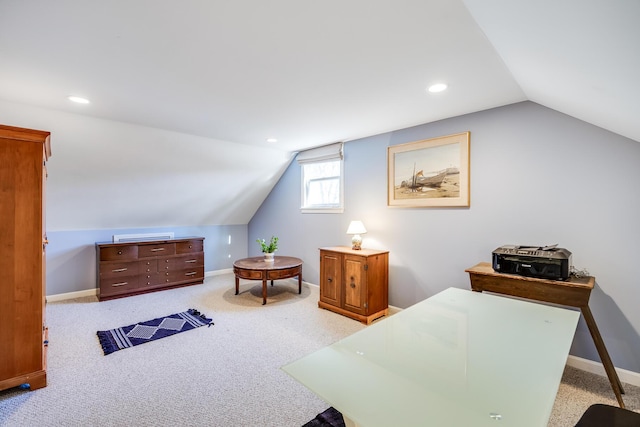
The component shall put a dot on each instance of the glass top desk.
(459, 358)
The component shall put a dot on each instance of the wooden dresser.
(354, 283)
(23, 333)
(132, 268)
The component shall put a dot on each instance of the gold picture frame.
(429, 173)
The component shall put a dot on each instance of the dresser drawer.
(116, 285)
(161, 249)
(196, 273)
(119, 253)
(151, 279)
(189, 246)
(188, 261)
(148, 266)
(118, 269)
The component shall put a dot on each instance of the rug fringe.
(205, 319)
(107, 344)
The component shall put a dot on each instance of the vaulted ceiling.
(313, 72)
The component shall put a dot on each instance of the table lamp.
(356, 228)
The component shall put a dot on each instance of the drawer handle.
(120, 284)
(118, 270)
(192, 273)
(190, 261)
(157, 249)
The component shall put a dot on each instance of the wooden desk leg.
(300, 283)
(237, 285)
(264, 291)
(604, 355)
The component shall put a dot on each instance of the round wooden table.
(256, 268)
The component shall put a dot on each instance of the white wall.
(537, 177)
(106, 174)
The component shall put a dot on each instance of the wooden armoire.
(23, 241)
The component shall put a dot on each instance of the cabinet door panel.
(331, 279)
(355, 295)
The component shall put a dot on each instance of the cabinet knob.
(119, 252)
(329, 280)
(353, 285)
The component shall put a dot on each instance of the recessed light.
(438, 87)
(78, 99)
(272, 140)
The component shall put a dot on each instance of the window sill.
(321, 210)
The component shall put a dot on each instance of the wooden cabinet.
(131, 268)
(23, 333)
(354, 283)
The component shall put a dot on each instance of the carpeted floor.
(224, 375)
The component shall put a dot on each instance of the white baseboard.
(72, 295)
(218, 272)
(627, 377)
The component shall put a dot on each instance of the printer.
(544, 262)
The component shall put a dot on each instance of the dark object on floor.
(329, 418)
(140, 333)
(600, 415)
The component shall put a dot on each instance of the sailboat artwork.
(430, 172)
(420, 182)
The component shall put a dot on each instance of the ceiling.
(310, 73)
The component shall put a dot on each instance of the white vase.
(268, 256)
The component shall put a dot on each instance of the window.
(322, 189)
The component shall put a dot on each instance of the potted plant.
(268, 248)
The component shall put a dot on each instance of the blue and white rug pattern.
(113, 340)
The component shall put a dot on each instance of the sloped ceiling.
(310, 73)
(581, 58)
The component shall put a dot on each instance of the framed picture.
(429, 173)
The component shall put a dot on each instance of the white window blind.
(321, 154)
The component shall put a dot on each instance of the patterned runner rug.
(140, 333)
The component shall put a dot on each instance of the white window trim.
(317, 155)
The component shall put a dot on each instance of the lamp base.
(356, 242)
